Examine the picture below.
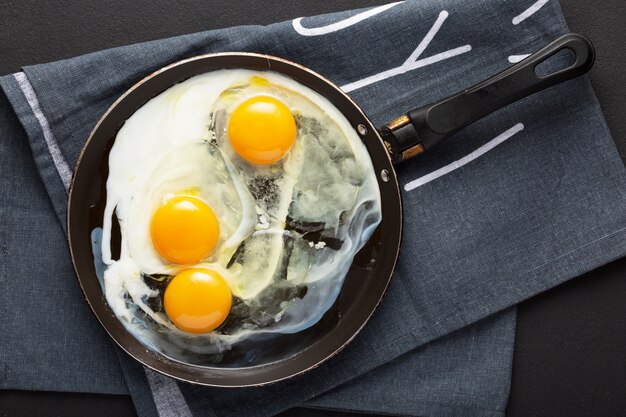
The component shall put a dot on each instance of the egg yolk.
(262, 130)
(184, 230)
(197, 300)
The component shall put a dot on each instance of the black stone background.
(570, 353)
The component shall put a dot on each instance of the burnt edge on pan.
(392, 218)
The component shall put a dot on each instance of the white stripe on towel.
(466, 159)
(342, 24)
(60, 163)
(168, 399)
(412, 62)
(529, 12)
(514, 59)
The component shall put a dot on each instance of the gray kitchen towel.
(52, 342)
(519, 202)
(465, 373)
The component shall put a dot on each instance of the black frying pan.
(366, 282)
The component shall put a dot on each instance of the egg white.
(177, 144)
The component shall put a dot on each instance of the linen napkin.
(519, 202)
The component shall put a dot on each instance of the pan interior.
(278, 355)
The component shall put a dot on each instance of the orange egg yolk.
(197, 300)
(184, 230)
(262, 130)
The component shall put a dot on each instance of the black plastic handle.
(422, 128)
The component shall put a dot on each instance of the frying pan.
(371, 270)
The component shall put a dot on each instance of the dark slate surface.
(570, 357)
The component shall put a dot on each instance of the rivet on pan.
(362, 129)
(384, 175)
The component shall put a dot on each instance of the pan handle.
(422, 128)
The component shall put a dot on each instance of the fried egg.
(241, 198)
